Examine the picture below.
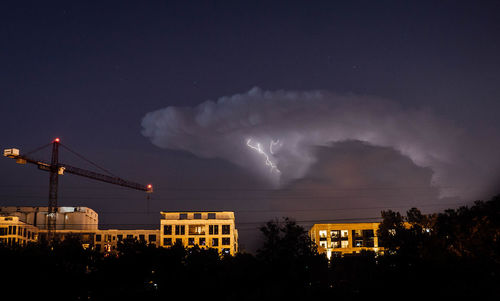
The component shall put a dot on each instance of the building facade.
(108, 240)
(67, 218)
(206, 229)
(346, 238)
(13, 231)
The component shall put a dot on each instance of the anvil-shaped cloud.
(303, 121)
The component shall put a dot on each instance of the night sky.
(371, 105)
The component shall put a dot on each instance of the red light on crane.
(57, 140)
(149, 188)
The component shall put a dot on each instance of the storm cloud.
(285, 129)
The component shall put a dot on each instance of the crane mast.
(55, 168)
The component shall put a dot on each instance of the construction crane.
(56, 168)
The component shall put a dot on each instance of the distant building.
(348, 238)
(14, 231)
(67, 218)
(205, 229)
(108, 240)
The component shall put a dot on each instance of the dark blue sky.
(89, 71)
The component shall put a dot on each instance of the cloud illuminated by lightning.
(273, 143)
(268, 161)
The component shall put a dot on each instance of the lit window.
(322, 233)
(344, 233)
(322, 244)
(344, 244)
(335, 234)
(335, 244)
(196, 230)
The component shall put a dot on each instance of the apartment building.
(14, 231)
(108, 240)
(205, 229)
(345, 238)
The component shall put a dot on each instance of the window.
(202, 241)
(10, 230)
(226, 229)
(130, 236)
(322, 233)
(3, 231)
(322, 243)
(98, 237)
(226, 251)
(226, 241)
(213, 229)
(167, 230)
(211, 216)
(152, 237)
(344, 244)
(215, 242)
(358, 243)
(357, 234)
(24, 232)
(178, 241)
(167, 241)
(119, 237)
(344, 234)
(335, 244)
(335, 234)
(142, 237)
(98, 247)
(197, 216)
(191, 241)
(180, 229)
(196, 230)
(14, 228)
(183, 216)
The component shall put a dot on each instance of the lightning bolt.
(268, 162)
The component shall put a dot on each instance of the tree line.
(453, 254)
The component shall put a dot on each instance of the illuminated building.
(67, 218)
(205, 229)
(349, 238)
(108, 240)
(15, 232)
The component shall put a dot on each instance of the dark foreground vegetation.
(455, 254)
